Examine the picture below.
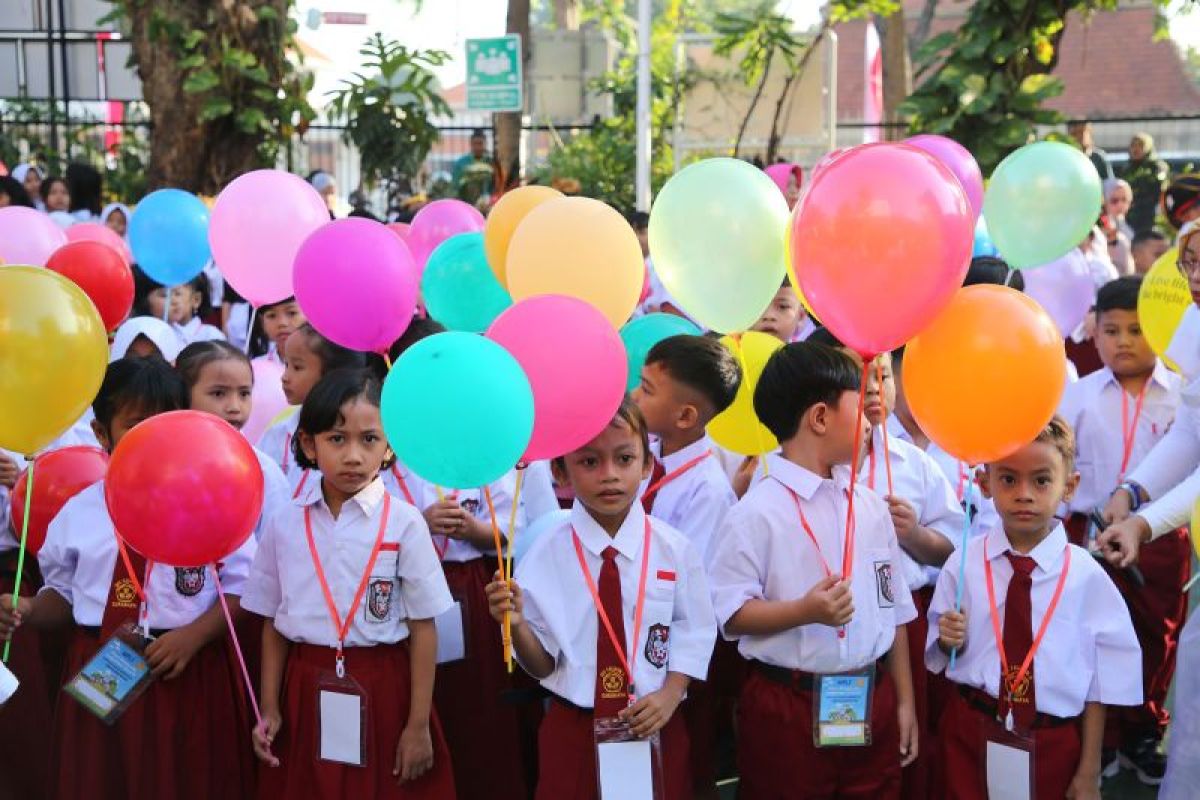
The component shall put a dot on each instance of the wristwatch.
(1138, 495)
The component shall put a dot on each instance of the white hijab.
(154, 329)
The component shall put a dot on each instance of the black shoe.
(1110, 764)
(1146, 759)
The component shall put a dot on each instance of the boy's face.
(1146, 253)
(607, 471)
(782, 317)
(841, 424)
(881, 397)
(124, 420)
(1027, 488)
(664, 402)
(1121, 345)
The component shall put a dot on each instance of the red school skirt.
(25, 720)
(186, 739)
(383, 673)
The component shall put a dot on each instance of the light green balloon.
(641, 334)
(1041, 202)
(717, 232)
(459, 289)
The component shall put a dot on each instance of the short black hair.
(1119, 295)
(50, 183)
(86, 185)
(15, 191)
(197, 355)
(322, 408)
(797, 377)
(1151, 235)
(418, 329)
(993, 271)
(331, 355)
(825, 336)
(628, 413)
(639, 220)
(897, 359)
(704, 365)
(260, 345)
(478, 134)
(149, 384)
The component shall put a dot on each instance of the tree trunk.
(508, 125)
(566, 15)
(897, 71)
(758, 93)
(924, 22)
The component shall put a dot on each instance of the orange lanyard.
(847, 553)
(343, 626)
(441, 551)
(144, 611)
(1128, 430)
(962, 481)
(618, 645)
(675, 473)
(1037, 640)
(287, 450)
(403, 484)
(300, 485)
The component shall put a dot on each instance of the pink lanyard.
(1128, 430)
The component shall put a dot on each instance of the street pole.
(642, 181)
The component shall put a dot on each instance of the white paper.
(451, 644)
(626, 771)
(8, 684)
(1007, 773)
(341, 727)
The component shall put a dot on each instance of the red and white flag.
(872, 85)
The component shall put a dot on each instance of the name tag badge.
(342, 721)
(1008, 764)
(627, 768)
(113, 678)
(843, 701)
(451, 634)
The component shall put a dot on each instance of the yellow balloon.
(53, 353)
(791, 272)
(503, 220)
(737, 428)
(578, 247)
(1163, 298)
(1196, 528)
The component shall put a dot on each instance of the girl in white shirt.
(186, 302)
(349, 582)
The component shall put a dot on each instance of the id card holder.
(114, 677)
(341, 720)
(627, 768)
(843, 708)
(1008, 763)
(451, 627)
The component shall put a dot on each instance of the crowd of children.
(815, 608)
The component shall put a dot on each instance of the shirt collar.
(693, 450)
(190, 327)
(367, 499)
(799, 480)
(1047, 553)
(628, 540)
(895, 450)
(896, 429)
(1161, 376)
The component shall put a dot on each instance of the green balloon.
(1041, 202)
(459, 288)
(448, 433)
(717, 238)
(641, 334)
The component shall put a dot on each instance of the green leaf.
(972, 87)
(191, 39)
(265, 13)
(935, 45)
(1040, 87)
(215, 108)
(250, 120)
(193, 61)
(201, 81)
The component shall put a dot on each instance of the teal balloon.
(717, 237)
(1041, 202)
(446, 432)
(641, 334)
(459, 288)
(168, 234)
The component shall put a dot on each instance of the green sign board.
(494, 74)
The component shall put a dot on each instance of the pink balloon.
(401, 229)
(28, 236)
(257, 225)
(357, 284)
(1064, 287)
(575, 395)
(880, 243)
(959, 160)
(437, 222)
(96, 232)
(782, 173)
(267, 400)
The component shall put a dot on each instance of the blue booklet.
(113, 678)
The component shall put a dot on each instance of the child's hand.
(831, 602)
(264, 736)
(651, 714)
(8, 471)
(505, 597)
(907, 717)
(904, 517)
(745, 475)
(952, 630)
(1118, 508)
(11, 619)
(169, 654)
(1084, 786)
(446, 518)
(1120, 542)
(414, 753)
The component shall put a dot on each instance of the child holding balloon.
(147, 753)
(349, 644)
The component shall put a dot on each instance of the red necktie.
(612, 692)
(1018, 638)
(123, 601)
(656, 475)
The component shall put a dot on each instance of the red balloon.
(184, 489)
(880, 243)
(98, 232)
(103, 275)
(57, 477)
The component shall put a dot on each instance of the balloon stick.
(16, 594)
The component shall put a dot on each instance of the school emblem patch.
(189, 580)
(470, 505)
(657, 641)
(379, 600)
(612, 683)
(1020, 692)
(124, 594)
(883, 584)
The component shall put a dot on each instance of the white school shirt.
(406, 581)
(917, 479)
(763, 553)
(694, 502)
(196, 331)
(275, 489)
(1092, 408)
(276, 442)
(562, 613)
(537, 491)
(80, 552)
(1090, 652)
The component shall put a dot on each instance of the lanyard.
(441, 551)
(287, 450)
(847, 561)
(342, 627)
(1037, 640)
(618, 645)
(300, 485)
(675, 473)
(1129, 430)
(962, 481)
(403, 484)
(139, 586)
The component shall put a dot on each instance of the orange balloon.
(987, 374)
(504, 218)
(581, 248)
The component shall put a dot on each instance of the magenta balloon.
(782, 173)
(1065, 288)
(959, 160)
(575, 396)
(96, 232)
(357, 284)
(437, 222)
(257, 225)
(28, 236)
